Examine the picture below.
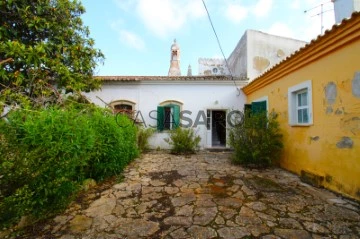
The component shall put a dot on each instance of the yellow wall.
(339, 167)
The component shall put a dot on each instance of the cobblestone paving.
(205, 196)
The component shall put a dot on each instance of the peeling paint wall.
(329, 148)
(238, 59)
(212, 66)
(257, 52)
(356, 85)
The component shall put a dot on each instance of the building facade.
(204, 103)
(212, 66)
(257, 52)
(316, 93)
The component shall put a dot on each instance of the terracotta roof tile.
(169, 78)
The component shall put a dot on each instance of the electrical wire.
(219, 44)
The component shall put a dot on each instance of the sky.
(136, 35)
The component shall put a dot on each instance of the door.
(218, 128)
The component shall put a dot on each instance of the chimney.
(344, 8)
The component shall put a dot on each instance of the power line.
(219, 44)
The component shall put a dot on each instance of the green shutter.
(160, 118)
(258, 107)
(176, 116)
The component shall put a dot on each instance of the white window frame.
(293, 103)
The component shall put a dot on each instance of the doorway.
(218, 128)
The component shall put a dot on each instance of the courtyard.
(205, 196)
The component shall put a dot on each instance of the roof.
(168, 78)
(338, 36)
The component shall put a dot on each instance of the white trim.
(292, 107)
(175, 102)
(123, 101)
(264, 98)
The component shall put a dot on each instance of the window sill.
(301, 125)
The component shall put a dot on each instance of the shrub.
(114, 147)
(256, 140)
(45, 156)
(143, 136)
(42, 153)
(183, 141)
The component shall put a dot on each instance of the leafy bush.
(183, 141)
(256, 140)
(45, 156)
(143, 136)
(114, 146)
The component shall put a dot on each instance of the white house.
(256, 52)
(204, 103)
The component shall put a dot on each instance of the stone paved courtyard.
(205, 196)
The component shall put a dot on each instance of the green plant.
(45, 156)
(45, 47)
(114, 146)
(42, 156)
(143, 135)
(183, 141)
(256, 139)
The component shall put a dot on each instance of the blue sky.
(136, 35)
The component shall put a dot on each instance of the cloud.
(125, 5)
(195, 9)
(295, 4)
(310, 26)
(281, 29)
(312, 21)
(262, 8)
(132, 40)
(236, 13)
(129, 38)
(163, 17)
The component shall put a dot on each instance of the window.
(168, 115)
(302, 107)
(123, 107)
(300, 104)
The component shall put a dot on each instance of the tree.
(44, 48)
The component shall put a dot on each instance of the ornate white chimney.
(175, 60)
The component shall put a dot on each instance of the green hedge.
(45, 155)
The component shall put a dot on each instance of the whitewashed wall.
(195, 96)
(257, 52)
(344, 9)
(212, 66)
